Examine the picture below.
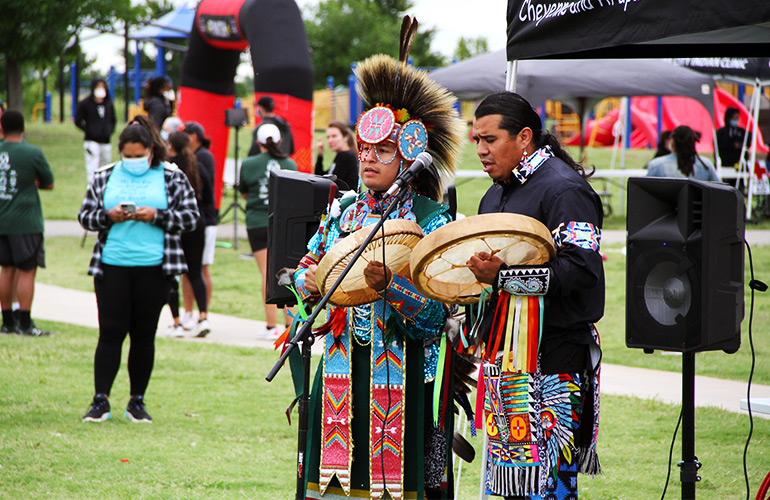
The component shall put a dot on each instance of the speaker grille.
(667, 294)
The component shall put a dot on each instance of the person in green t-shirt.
(255, 172)
(23, 170)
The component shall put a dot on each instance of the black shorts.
(22, 251)
(257, 238)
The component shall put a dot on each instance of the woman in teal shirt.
(255, 173)
(140, 206)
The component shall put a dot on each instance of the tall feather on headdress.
(395, 84)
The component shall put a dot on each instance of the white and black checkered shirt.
(181, 215)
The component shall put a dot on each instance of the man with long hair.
(543, 430)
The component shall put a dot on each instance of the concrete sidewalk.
(77, 307)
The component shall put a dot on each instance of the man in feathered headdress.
(371, 429)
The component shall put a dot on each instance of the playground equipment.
(675, 111)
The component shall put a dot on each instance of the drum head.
(400, 238)
(438, 262)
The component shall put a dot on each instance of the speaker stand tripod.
(235, 206)
(689, 465)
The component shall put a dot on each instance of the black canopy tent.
(591, 29)
(728, 67)
(576, 82)
(588, 81)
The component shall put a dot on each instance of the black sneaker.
(34, 331)
(100, 410)
(10, 329)
(136, 412)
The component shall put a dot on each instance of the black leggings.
(192, 246)
(129, 300)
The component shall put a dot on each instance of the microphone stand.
(305, 335)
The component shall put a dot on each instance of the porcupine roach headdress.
(404, 106)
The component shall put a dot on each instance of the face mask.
(164, 135)
(137, 166)
(100, 93)
(169, 94)
(733, 123)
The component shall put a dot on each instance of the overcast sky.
(452, 19)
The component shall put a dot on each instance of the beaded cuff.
(524, 280)
(402, 296)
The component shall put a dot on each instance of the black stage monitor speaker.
(296, 202)
(684, 265)
(236, 117)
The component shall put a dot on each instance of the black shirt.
(729, 143)
(97, 120)
(206, 168)
(344, 166)
(556, 194)
(158, 109)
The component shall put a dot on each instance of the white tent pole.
(745, 146)
(457, 462)
(754, 133)
(616, 133)
(510, 75)
(626, 140)
(482, 483)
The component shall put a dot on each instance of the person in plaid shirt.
(140, 206)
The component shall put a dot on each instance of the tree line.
(43, 34)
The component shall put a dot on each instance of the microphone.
(422, 161)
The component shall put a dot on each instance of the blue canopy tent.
(175, 25)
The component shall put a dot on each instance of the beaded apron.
(386, 426)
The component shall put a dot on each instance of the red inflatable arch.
(274, 32)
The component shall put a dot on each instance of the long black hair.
(517, 113)
(142, 131)
(155, 86)
(684, 146)
(662, 150)
(185, 159)
(273, 150)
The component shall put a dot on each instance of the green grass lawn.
(237, 292)
(62, 144)
(219, 428)
(220, 431)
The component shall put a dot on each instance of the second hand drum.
(438, 262)
(400, 238)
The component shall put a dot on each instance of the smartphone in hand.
(128, 206)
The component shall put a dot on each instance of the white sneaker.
(188, 321)
(203, 328)
(174, 331)
(269, 333)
